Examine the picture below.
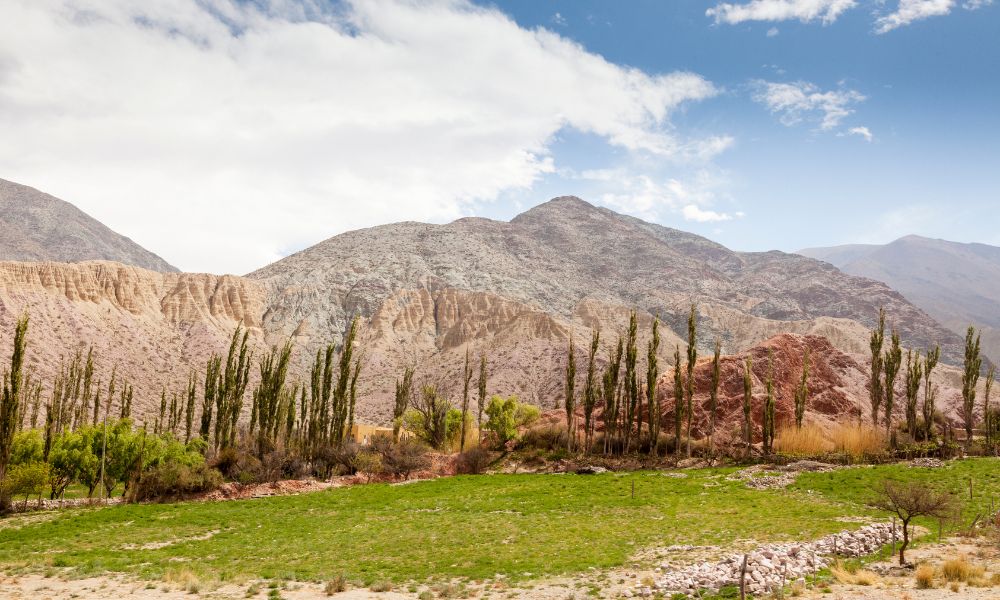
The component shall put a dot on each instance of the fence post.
(743, 578)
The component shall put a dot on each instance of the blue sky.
(225, 134)
(932, 104)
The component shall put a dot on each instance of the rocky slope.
(957, 284)
(427, 294)
(35, 226)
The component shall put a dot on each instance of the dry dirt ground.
(889, 583)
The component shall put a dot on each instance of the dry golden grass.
(183, 578)
(852, 576)
(961, 570)
(857, 440)
(925, 577)
(809, 440)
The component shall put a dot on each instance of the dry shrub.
(954, 587)
(857, 440)
(545, 437)
(852, 575)
(473, 461)
(183, 578)
(381, 586)
(961, 570)
(809, 440)
(335, 586)
(924, 577)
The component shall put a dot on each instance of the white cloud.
(801, 101)
(661, 199)
(909, 11)
(558, 19)
(691, 212)
(826, 11)
(773, 32)
(976, 4)
(224, 134)
(862, 131)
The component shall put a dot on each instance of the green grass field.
(471, 527)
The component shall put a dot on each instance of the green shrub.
(473, 461)
(176, 480)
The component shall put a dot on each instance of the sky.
(225, 135)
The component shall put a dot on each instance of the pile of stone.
(758, 478)
(769, 567)
(926, 462)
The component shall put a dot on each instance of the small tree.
(678, 399)
(802, 392)
(909, 500)
(590, 392)
(713, 397)
(466, 380)
(692, 360)
(482, 395)
(403, 389)
(652, 373)
(987, 419)
(10, 401)
(767, 426)
(433, 417)
(970, 378)
(501, 419)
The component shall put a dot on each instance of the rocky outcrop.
(40, 227)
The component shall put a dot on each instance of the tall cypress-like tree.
(747, 402)
(212, 370)
(930, 394)
(970, 379)
(914, 373)
(161, 418)
(466, 380)
(802, 392)
(481, 406)
(890, 364)
(570, 404)
(610, 381)
(678, 399)
(713, 396)
(192, 394)
(875, 382)
(692, 359)
(10, 401)
(988, 423)
(231, 389)
(631, 380)
(652, 372)
(590, 392)
(403, 390)
(269, 397)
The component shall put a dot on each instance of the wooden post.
(633, 489)
(743, 578)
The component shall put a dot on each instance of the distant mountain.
(957, 284)
(35, 226)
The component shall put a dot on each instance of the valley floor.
(518, 536)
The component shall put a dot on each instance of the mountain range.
(957, 284)
(427, 295)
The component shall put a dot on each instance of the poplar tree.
(590, 392)
(212, 370)
(678, 399)
(875, 383)
(987, 416)
(631, 380)
(158, 426)
(930, 394)
(466, 380)
(713, 394)
(610, 390)
(192, 393)
(402, 398)
(652, 372)
(10, 401)
(890, 365)
(970, 379)
(570, 404)
(270, 396)
(912, 376)
(692, 359)
(747, 402)
(481, 406)
(231, 388)
(802, 392)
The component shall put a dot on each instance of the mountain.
(38, 227)
(957, 284)
(516, 291)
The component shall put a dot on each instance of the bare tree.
(909, 500)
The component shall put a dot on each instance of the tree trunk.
(906, 541)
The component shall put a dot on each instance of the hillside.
(957, 284)
(38, 227)
(516, 291)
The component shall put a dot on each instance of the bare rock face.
(429, 294)
(35, 226)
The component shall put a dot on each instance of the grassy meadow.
(468, 527)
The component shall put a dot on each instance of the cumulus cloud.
(801, 101)
(692, 212)
(806, 11)
(976, 4)
(909, 11)
(691, 198)
(225, 134)
(773, 32)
